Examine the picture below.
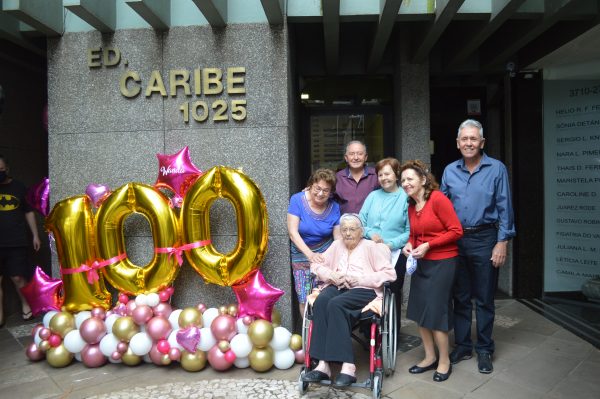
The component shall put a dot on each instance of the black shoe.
(484, 362)
(439, 377)
(344, 380)
(458, 355)
(315, 376)
(418, 370)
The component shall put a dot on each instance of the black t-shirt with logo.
(13, 207)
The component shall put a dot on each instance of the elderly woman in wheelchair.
(353, 273)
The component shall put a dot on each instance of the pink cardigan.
(369, 262)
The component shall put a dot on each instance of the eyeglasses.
(349, 229)
(317, 190)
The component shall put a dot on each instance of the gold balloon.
(130, 358)
(190, 317)
(296, 342)
(124, 328)
(222, 310)
(275, 318)
(252, 225)
(154, 206)
(260, 333)
(44, 345)
(224, 346)
(232, 310)
(261, 359)
(165, 360)
(193, 361)
(61, 323)
(72, 225)
(59, 356)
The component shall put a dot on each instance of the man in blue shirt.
(478, 187)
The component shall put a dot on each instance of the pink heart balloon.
(188, 338)
(97, 193)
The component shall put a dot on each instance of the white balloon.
(110, 320)
(281, 339)
(207, 339)
(141, 299)
(241, 362)
(37, 338)
(47, 317)
(140, 344)
(209, 315)
(174, 318)
(73, 341)
(284, 359)
(241, 345)
(173, 341)
(147, 358)
(110, 359)
(77, 356)
(82, 316)
(241, 327)
(152, 299)
(108, 344)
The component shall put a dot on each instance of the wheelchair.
(381, 346)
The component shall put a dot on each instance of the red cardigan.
(436, 224)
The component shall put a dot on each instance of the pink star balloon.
(255, 296)
(176, 172)
(38, 196)
(43, 293)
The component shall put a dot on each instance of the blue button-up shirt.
(481, 197)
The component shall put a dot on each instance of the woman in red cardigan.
(434, 230)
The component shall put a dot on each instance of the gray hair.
(471, 123)
(351, 216)
(355, 142)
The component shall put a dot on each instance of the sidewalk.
(534, 358)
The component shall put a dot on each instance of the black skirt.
(430, 298)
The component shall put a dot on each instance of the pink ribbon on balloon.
(91, 268)
(178, 251)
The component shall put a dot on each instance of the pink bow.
(91, 268)
(178, 251)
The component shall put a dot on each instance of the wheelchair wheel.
(389, 331)
(377, 385)
(302, 385)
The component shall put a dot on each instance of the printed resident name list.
(571, 183)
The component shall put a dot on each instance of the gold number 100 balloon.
(92, 247)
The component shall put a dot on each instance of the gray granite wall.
(96, 135)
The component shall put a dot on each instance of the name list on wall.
(571, 184)
(209, 83)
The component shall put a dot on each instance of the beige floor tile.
(572, 387)
(518, 336)
(575, 349)
(24, 375)
(566, 335)
(39, 389)
(497, 389)
(417, 390)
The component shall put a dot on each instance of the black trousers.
(334, 314)
(396, 286)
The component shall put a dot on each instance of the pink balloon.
(217, 359)
(141, 314)
(99, 313)
(34, 353)
(54, 340)
(201, 307)
(120, 309)
(158, 328)
(38, 196)
(223, 327)
(45, 333)
(156, 356)
(170, 290)
(92, 330)
(97, 193)
(43, 293)
(91, 356)
(131, 305)
(299, 356)
(176, 171)
(122, 347)
(163, 309)
(123, 298)
(116, 355)
(163, 346)
(255, 296)
(247, 320)
(174, 354)
(164, 296)
(230, 356)
(36, 329)
(188, 338)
